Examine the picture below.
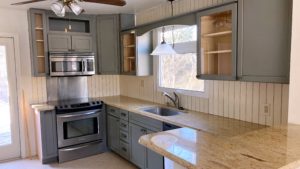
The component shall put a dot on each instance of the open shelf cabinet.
(129, 52)
(38, 42)
(217, 30)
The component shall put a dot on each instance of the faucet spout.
(175, 100)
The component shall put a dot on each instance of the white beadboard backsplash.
(239, 100)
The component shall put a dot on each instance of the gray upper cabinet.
(135, 53)
(38, 42)
(59, 42)
(108, 44)
(264, 40)
(82, 43)
(217, 43)
(64, 42)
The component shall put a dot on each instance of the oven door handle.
(80, 147)
(78, 115)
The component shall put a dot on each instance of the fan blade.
(110, 2)
(27, 2)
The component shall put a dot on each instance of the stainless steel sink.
(162, 111)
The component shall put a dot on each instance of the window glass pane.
(181, 34)
(179, 72)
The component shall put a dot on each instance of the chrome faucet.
(174, 100)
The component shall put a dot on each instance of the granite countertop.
(267, 148)
(196, 120)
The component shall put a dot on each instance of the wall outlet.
(267, 109)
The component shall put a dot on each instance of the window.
(178, 72)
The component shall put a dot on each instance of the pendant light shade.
(76, 8)
(59, 9)
(163, 49)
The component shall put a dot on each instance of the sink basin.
(162, 111)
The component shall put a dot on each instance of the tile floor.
(102, 161)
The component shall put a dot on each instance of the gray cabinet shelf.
(135, 54)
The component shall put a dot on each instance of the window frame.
(204, 94)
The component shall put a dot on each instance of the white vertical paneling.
(243, 99)
(216, 98)
(249, 102)
(221, 98)
(237, 95)
(262, 102)
(270, 102)
(285, 102)
(277, 104)
(226, 99)
(231, 100)
(255, 110)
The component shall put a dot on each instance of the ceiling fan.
(59, 7)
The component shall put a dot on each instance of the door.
(82, 43)
(138, 151)
(113, 133)
(108, 44)
(59, 43)
(9, 123)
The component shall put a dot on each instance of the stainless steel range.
(80, 128)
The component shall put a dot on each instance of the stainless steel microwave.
(72, 64)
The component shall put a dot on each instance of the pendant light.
(163, 48)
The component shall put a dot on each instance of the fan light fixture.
(59, 7)
(163, 48)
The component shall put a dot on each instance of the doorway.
(9, 119)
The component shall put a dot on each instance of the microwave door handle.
(83, 65)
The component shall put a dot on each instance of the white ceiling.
(132, 6)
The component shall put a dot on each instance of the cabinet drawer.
(113, 111)
(146, 122)
(124, 150)
(124, 136)
(124, 125)
(124, 115)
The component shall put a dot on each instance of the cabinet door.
(154, 160)
(264, 39)
(47, 144)
(113, 133)
(108, 44)
(217, 43)
(82, 43)
(59, 43)
(138, 152)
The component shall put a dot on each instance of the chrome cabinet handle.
(124, 149)
(123, 114)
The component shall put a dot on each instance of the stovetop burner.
(74, 104)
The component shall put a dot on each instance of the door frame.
(20, 117)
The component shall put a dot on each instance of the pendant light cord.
(172, 12)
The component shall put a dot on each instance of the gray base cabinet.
(46, 136)
(124, 132)
(264, 40)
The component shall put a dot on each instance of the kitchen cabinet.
(46, 136)
(264, 40)
(113, 133)
(108, 44)
(63, 42)
(124, 132)
(135, 53)
(217, 43)
(38, 42)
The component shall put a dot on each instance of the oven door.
(63, 66)
(79, 127)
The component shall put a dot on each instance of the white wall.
(294, 112)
